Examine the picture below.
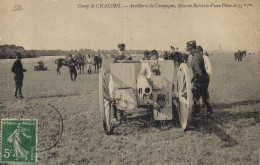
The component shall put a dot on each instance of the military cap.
(121, 47)
(199, 48)
(146, 52)
(191, 44)
(19, 55)
(154, 52)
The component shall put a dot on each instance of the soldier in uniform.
(239, 54)
(100, 61)
(89, 62)
(146, 55)
(18, 70)
(175, 56)
(121, 50)
(200, 79)
(72, 68)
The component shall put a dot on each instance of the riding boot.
(209, 108)
(20, 92)
(15, 92)
(196, 108)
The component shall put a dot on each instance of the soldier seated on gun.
(154, 65)
(146, 55)
(121, 51)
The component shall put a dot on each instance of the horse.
(80, 62)
(60, 62)
(97, 62)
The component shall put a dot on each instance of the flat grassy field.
(231, 137)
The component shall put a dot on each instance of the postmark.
(19, 141)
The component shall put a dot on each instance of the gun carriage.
(127, 89)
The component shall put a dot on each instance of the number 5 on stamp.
(18, 141)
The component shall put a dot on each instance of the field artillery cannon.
(129, 88)
(40, 66)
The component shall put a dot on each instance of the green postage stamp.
(18, 141)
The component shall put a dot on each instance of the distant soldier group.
(238, 56)
(77, 63)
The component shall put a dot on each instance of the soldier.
(89, 62)
(18, 70)
(72, 68)
(200, 79)
(154, 55)
(175, 56)
(121, 50)
(100, 61)
(146, 55)
(81, 63)
(154, 65)
(239, 54)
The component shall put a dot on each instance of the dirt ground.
(231, 137)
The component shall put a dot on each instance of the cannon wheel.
(185, 103)
(104, 102)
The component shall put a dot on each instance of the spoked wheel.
(104, 102)
(185, 101)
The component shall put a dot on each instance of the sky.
(61, 24)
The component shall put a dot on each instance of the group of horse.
(80, 62)
(238, 56)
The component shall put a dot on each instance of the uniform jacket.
(18, 68)
(72, 64)
(198, 68)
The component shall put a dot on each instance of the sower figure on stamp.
(72, 68)
(18, 70)
(15, 138)
(200, 79)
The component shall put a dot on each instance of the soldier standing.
(100, 61)
(200, 79)
(239, 54)
(18, 70)
(89, 62)
(72, 68)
